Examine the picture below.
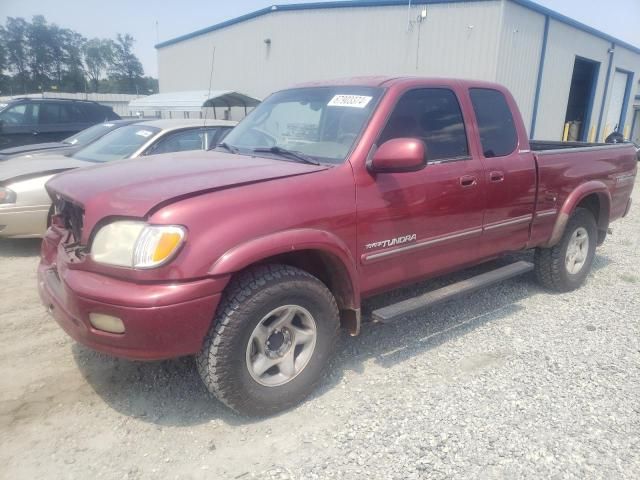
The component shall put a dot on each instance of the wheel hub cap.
(577, 251)
(281, 345)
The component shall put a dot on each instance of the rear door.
(58, 120)
(412, 225)
(510, 173)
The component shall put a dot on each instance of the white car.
(25, 206)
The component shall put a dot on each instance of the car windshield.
(319, 122)
(90, 134)
(121, 143)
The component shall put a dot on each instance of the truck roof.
(389, 80)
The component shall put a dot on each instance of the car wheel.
(273, 335)
(565, 266)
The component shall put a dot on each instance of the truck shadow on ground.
(21, 247)
(170, 393)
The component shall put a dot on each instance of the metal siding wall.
(459, 40)
(519, 55)
(564, 43)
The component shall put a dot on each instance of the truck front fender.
(593, 187)
(298, 241)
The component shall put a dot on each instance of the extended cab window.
(497, 129)
(432, 115)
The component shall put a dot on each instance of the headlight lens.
(135, 244)
(7, 195)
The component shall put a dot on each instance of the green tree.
(98, 56)
(125, 66)
(14, 39)
(42, 45)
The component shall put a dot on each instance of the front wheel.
(272, 337)
(565, 266)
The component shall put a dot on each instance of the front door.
(417, 224)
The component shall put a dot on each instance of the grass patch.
(629, 278)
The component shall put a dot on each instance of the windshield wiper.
(299, 156)
(226, 146)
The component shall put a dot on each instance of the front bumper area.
(161, 320)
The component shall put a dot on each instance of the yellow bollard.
(626, 131)
(592, 134)
(565, 133)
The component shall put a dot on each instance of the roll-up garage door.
(616, 102)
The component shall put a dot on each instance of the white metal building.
(559, 70)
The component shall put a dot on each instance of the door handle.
(496, 176)
(468, 181)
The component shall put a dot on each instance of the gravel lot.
(510, 382)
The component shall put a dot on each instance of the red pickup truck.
(251, 256)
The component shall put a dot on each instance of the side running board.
(394, 312)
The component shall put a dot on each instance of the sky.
(150, 22)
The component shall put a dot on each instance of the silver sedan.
(25, 207)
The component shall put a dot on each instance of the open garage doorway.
(581, 95)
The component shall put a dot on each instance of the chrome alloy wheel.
(577, 251)
(281, 345)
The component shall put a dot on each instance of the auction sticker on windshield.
(355, 101)
(144, 133)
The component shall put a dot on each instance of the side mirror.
(399, 155)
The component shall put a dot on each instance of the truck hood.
(134, 187)
(32, 166)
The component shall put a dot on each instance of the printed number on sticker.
(355, 101)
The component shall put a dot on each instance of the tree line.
(39, 56)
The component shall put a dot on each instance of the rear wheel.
(565, 266)
(272, 337)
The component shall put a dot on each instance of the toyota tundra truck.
(252, 256)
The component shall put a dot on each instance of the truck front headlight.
(135, 244)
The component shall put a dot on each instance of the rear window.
(497, 129)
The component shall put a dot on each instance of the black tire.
(250, 296)
(550, 267)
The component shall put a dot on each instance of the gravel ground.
(510, 382)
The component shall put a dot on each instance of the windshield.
(120, 143)
(90, 134)
(320, 122)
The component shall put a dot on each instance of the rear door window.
(433, 115)
(54, 113)
(180, 142)
(497, 129)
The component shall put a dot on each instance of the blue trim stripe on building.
(388, 3)
(536, 99)
(606, 90)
